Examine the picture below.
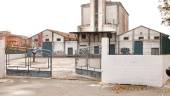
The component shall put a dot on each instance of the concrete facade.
(61, 41)
(133, 69)
(151, 40)
(111, 16)
(101, 16)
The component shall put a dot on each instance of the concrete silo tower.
(104, 15)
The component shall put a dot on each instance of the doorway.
(138, 48)
(70, 51)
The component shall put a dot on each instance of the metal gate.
(88, 62)
(19, 62)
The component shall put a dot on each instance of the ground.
(80, 87)
(52, 87)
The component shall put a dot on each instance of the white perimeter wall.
(2, 58)
(133, 69)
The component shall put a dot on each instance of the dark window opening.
(154, 51)
(58, 39)
(96, 50)
(140, 33)
(126, 38)
(83, 45)
(156, 37)
(47, 40)
(36, 40)
(125, 51)
(141, 38)
(112, 49)
(83, 36)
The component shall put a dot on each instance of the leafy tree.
(165, 11)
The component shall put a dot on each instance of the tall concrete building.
(104, 15)
(101, 18)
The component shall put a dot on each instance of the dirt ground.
(80, 87)
(52, 87)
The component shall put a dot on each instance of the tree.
(165, 11)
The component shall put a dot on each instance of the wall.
(58, 46)
(133, 35)
(123, 19)
(2, 58)
(71, 44)
(133, 69)
(85, 14)
(111, 16)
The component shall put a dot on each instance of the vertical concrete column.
(92, 15)
(105, 46)
(105, 52)
(101, 15)
(2, 58)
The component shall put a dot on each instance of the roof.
(67, 36)
(90, 32)
(143, 27)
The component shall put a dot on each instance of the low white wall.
(133, 69)
(15, 56)
(2, 58)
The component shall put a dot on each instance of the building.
(103, 15)
(60, 43)
(144, 41)
(105, 18)
(101, 18)
(12, 40)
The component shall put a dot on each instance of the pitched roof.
(67, 36)
(143, 27)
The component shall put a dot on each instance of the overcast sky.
(28, 17)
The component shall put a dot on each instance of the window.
(154, 51)
(35, 40)
(126, 38)
(140, 33)
(141, 38)
(58, 39)
(83, 45)
(156, 37)
(96, 49)
(83, 36)
(112, 49)
(125, 51)
(47, 40)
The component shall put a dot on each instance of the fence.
(88, 61)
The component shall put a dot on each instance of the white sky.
(28, 17)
